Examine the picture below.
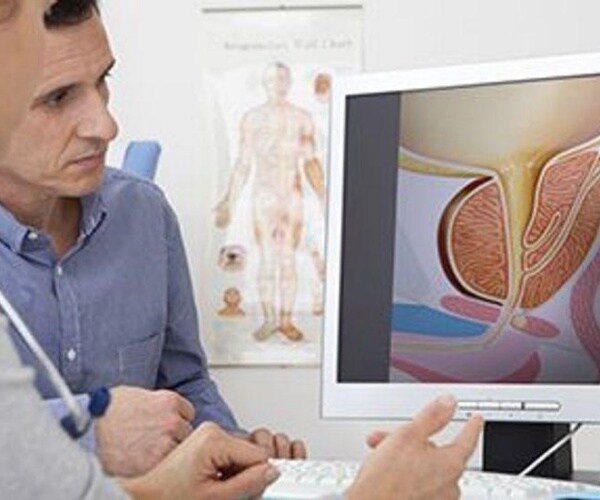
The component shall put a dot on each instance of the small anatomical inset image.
(232, 299)
(232, 258)
(497, 259)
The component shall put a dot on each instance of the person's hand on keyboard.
(407, 461)
(278, 445)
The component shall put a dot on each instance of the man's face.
(21, 27)
(59, 148)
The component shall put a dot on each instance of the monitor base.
(510, 447)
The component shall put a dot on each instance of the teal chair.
(141, 158)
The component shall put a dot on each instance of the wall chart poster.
(268, 74)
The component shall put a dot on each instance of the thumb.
(250, 482)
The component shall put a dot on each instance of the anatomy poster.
(269, 77)
(497, 261)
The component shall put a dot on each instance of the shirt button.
(32, 236)
(71, 354)
(59, 270)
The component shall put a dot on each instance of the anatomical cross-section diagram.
(497, 259)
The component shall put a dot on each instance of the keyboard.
(306, 479)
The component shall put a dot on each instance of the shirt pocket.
(138, 362)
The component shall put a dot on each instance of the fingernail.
(447, 400)
(271, 474)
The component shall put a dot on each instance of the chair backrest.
(141, 158)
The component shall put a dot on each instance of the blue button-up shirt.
(118, 308)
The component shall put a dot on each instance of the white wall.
(155, 42)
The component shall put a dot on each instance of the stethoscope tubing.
(80, 419)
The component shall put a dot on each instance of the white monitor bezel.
(578, 403)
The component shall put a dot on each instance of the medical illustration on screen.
(497, 259)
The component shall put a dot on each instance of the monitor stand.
(510, 447)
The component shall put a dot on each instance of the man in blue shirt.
(94, 261)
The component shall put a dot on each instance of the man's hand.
(406, 464)
(278, 445)
(140, 428)
(210, 464)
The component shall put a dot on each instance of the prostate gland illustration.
(562, 226)
(527, 216)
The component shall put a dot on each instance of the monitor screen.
(462, 246)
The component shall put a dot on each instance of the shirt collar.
(93, 210)
(13, 234)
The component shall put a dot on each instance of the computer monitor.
(462, 250)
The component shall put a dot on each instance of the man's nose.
(97, 122)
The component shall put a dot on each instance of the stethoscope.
(77, 421)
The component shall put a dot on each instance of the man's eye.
(56, 98)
